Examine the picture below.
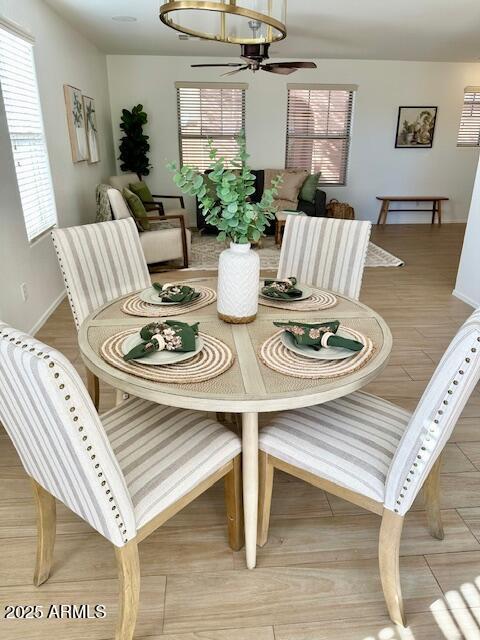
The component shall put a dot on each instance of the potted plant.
(134, 144)
(224, 196)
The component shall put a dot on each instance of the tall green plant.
(227, 204)
(134, 144)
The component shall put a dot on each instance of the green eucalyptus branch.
(226, 204)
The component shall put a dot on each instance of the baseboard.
(45, 316)
(473, 303)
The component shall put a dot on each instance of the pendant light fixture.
(233, 21)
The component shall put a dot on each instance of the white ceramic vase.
(238, 278)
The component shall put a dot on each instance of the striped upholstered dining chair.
(99, 262)
(375, 454)
(125, 473)
(325, 252)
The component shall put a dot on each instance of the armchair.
(163, 242)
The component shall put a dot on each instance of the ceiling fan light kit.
(231, 21)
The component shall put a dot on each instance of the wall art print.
(76, 123)
(415, 127)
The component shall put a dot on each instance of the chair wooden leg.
(120, 396)
(234, 505)
(129, 582)
(431, 493)
(389, 561)
(93, 387)
(265, 472)
(46, 525)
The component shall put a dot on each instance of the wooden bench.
(435, 210)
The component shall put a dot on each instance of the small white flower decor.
(171, 335)
(227, 206)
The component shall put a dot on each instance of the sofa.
(315, 209)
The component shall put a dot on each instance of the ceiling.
(444, 30)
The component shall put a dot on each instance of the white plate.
(150, 296)
(160, 357)
(307, 292)
(326, 353)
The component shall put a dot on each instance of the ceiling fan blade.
(226, 64)
(272, 68)
(231, 73)
(294, 65)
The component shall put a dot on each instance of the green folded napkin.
(319, 335)
(281, 289)
(171, 335)
(175, 292)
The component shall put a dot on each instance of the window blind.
(206, 112)
(469, 131)
(25, 126)
(318, 130)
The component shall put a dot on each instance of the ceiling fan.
(253, 55)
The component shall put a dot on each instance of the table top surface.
(412, 198)
(249, 385)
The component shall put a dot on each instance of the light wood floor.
(317, 577)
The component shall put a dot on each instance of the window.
(205, 111)
(469, 132)
(319, 120)
(25, 126)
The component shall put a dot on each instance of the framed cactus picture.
(415, 127)
(76, 123)
(91, 128)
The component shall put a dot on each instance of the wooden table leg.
(250, 485)
(439, 212)
(382, 216)
(434, 210)
(93, 386)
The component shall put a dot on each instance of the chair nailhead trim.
(436, 421)
(69, 294)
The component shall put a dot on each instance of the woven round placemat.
(214, 359)
(134, 306)
(317, 301)
(277, 357)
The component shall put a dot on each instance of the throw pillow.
(141, 190)
(309, 188)
(291, 185)
(138, 210)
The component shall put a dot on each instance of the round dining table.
(248, 387)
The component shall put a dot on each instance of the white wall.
(61, 56)
(375, 167)
(467, 287)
